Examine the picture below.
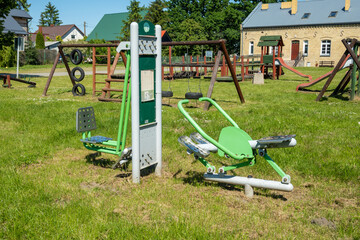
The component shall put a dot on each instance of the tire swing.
(193, 95)
(167, 94)
(78, 90)
(76, 56)
(73, 74)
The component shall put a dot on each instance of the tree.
(22, 4)
(50, 16)
(40, 42)
(191, 31)
(134, 16)
(220, 19)
(157, 13)
(6, 39)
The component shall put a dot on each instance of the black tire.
(167, 94)
(193, 95)
(78, 90)
(76, 56)
(82, 74)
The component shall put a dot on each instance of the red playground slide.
(282, 63)
(319, 79)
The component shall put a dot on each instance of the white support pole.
(253, 182)
(158, 103)
(135, 108)
(17, 58)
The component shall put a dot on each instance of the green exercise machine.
(143, 54)
(235, 143)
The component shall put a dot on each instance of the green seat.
(237, 141)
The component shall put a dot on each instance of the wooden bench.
(326, 63)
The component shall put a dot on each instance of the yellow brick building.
(311, 30)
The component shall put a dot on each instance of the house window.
(72, 36)
(306, 16)
(306, 47)
(251, 48)
(325, 47)
(333, 14)
(271, 50)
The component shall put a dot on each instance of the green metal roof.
(110, 25)
(275, 40)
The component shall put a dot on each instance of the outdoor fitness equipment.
(237, 144)
(144, 94)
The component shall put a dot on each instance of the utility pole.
(84, 29)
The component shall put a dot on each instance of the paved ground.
(58, 72)
(62, 72)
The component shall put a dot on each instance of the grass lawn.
(53, 188)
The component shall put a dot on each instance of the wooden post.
(171, 68)
(233, 74)
(234, 59)
(8, 81)
(51, 74)
(273, 61)
(262, 60)
(108, 62)
(205, 68)
(223, 67)
(191, 68)
(247, 67)
(197, 68)
(337, 67)
(242, 69)
(183, 61)
(94, 71)
(213, 79)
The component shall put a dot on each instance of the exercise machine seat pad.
(236, 141)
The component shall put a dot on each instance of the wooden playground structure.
(107, 87)
(7, 80)
(352, 75)
(111, 78)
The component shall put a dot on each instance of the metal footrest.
(276, 139)
(192, 147)
(96, 139)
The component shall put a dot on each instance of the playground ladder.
(111, 78)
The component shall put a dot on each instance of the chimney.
(294, 7)
(264, 6)
(40, 29)
(347, 5)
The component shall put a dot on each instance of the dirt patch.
(323, 222)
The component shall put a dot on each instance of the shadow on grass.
(102, 162)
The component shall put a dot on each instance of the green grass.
(51, 187)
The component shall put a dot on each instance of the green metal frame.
(118, 146)
(249, 161)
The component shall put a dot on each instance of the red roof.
(54, 31)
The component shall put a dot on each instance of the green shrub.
(40, 43)
(7, 56)
(31, 55)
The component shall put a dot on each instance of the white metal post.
(158, 105)
(135, 109)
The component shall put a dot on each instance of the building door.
(294, 49)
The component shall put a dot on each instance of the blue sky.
(79, 11)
